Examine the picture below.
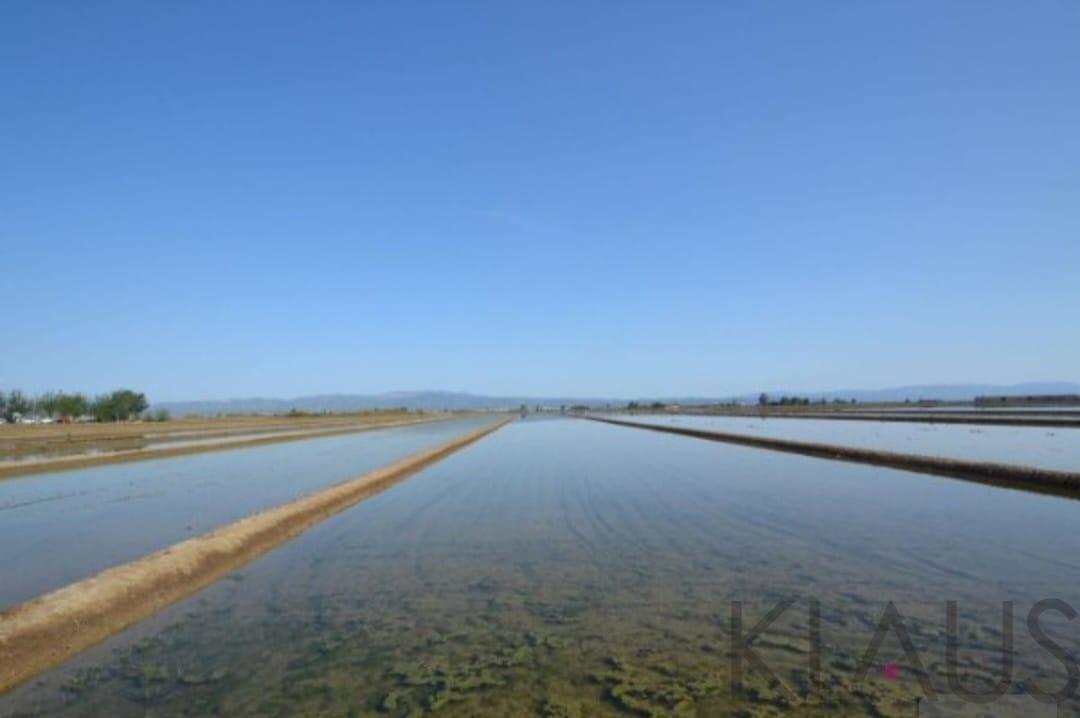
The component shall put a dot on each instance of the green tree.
(17, 403)
(103, 408)
(46, 404)
(61, 404)
(71, 405)
(121, 405)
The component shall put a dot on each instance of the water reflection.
(567, 568)
(58, 528)
(1047, 448)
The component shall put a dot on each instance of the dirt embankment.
(1064, 420)
(1047, 419)
(18, 439)
(43, 632)
(1027, 478)
(197, 442)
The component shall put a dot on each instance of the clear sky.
(204, 199)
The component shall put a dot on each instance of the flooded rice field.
(60, 527)
(177, 441)
(140, 446)
(1045, 448)
(44, 442)
(569, 568)
(1020, 410)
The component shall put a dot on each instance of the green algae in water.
(585, 583)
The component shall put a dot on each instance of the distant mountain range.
(429, 400)
(458, 400)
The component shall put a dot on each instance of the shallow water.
(57, 528)
(138, 444)
(1027, 446)
(568, 568)
(1063, 409)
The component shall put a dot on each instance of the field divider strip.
(43, 632)
(1049, 422)
(1026, 478)
(71, 463)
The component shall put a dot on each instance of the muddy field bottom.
(45, 441)
(568, 569)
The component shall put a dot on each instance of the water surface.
(569, 568)
(1048, 448)
(60, 527)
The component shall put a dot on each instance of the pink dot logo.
(891, 671)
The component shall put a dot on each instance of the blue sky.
(208, 199)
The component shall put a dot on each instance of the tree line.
(119, 405)
(765, 400)
(634, 405)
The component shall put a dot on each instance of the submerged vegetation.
(483, 648)
(591, 582)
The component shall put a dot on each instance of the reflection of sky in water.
(557, 550)
(1028, 446)
(139, 443)
(60, 527)
(1062, 409)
